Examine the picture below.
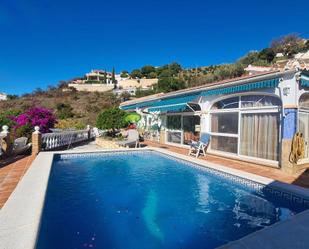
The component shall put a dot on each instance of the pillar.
(6, 142)
(162, 136)
(89, 132)
(36, 141)
(289, 125)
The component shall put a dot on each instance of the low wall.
(92, 87)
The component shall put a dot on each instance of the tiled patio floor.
(276, 174)
(11, 171)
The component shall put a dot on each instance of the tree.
(114, 81)
(124, 74)
(111, 118)
(146, 70)
(288, 45)
(12, 96)
(168, 84)
(152, 75)
(136, 73)
(267, 54)
(105, 77)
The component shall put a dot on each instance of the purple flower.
(36, 116)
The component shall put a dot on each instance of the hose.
(297, 148)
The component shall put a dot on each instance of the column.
(289, 125)
(36, 141)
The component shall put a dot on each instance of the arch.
(303, 101)
(276, 100)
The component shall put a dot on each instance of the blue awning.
(170, 108)
(304, 81)
(272, 83)
(138, 105)
(174, 104)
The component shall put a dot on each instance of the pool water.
(146, 200)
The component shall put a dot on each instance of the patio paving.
(273, 173)
(11, 171)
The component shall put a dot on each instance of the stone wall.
(92, 87)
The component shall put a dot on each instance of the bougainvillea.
(35, 116)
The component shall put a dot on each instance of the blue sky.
(44, 41)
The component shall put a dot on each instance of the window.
(226, 144)
(224, 122)
(259, 101)
(174, 122)
(190, 132)
(258, 134)
(226, 103)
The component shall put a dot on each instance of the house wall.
(288, 91)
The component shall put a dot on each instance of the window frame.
(244, 110)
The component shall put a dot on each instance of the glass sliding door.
(224, 129)
(247, 125)
(259, 135)
(182, 128)
(190, 131)
(174, 133)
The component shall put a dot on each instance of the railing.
(51, 141)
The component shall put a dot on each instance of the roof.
(214, 85)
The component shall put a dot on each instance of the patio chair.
(20, 146)
(97, 132)
(132, 139)
(200, 146)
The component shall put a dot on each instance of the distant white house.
(257, 69)
(3, 96)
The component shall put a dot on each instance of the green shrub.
(64, 111)
(111, 118)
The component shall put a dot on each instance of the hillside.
(82, 106)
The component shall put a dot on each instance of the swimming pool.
(144, 199)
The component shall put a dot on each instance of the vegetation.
(82, 106)
(70, 123)
(111, 119)
(24, 123)
(173, 77)
(64, 111)
(6, 117)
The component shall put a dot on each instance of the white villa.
(3, 96)
(252, 118)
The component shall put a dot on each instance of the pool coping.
(21, 214)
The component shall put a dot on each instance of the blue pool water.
(146, 200)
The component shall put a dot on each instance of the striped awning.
(138, 105)
(272, 83)
(171, 108)
(174, 104)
